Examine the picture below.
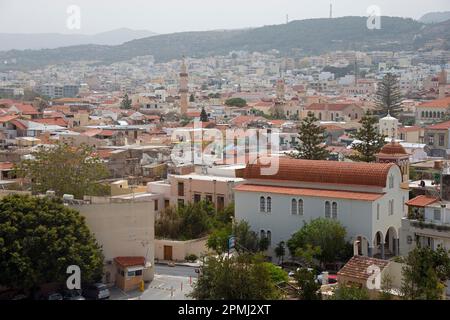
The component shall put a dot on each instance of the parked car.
(96, 291)
(332, 278)
(73, 295)
(53, 296)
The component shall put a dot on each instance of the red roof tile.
(328, 106)
(6, 165)
(350, 195)
(357, 267)
(130, 261)
(421, 201)
(440, 126)
(438, 103)
(319, 171)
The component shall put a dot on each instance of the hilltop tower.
(183, 88)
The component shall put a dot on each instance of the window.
(262, 204)
(391, 207)
(320, 115)
(209, 198)
(156, 205)
(334, 209)
(391, 182)
(378, 211)
(327, 209)
(130, 274)
(180, 189)
(431, 140)
(220, 203)
(269, 204)
(197, 198)
(300, 207)
(294, 206)
(180, 202)
(138, 273)
(269, 237)
(441, 140)
(437, 214)
(262, 234)
(423, 114)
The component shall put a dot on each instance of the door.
(168, 253)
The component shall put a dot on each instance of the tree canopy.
(311, 138)
(325, 237)
(388, 97)
(243, 277)
(64, 169)
(203, 115)
(425, 273)
(126, 102)
(236, 102)
(371, 141)
(40, 238)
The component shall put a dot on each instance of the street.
(182, 271)
(169, 283)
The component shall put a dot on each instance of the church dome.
(393, 149)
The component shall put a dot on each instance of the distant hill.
(312, 36)
(435, 17)
(23, 41)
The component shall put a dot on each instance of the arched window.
(300, 207)
(269, 204)
(423, 114)
(262, 204)
(294, 206)
(334, 210)
(327, 209)
(269, 237)
(262, 234)
(356, 116)
(434, 114)
(426, 114)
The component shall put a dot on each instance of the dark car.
(54, 296)
(96, 291)
(73, 295)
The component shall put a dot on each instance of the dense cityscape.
(229, 174)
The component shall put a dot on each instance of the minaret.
(183, 88)
(280, 88)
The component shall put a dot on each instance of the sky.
(167, 16)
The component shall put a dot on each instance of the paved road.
(179, 271)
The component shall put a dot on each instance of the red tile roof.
(319, 171)
(438, 103)
(421, 201)
(6, 165)
(25, 108)
(440, 126)
(328, 106)
(7, 118)
(350, 195)
(357, 267)
(129, 261)
(52, 121)
(409, 129)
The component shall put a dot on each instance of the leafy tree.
(243, 277)
(307, 284)
(203, 115)
(64, 169)
(39, 239)
(388, 97)
(280, 251)
(247, 241)
(126, 102)
(192, 98)
(311, 137)
(277, 274)
(326, 234)
(425, 273)
(371, 141)
(191, 221)
(343, 292)
(236, 102)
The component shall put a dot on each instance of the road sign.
(231, 242)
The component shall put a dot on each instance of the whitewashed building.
(367, 198)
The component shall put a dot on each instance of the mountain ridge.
(310, 36)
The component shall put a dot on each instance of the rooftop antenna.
(287, 18)
(331, 10)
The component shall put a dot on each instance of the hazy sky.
(165, 16)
